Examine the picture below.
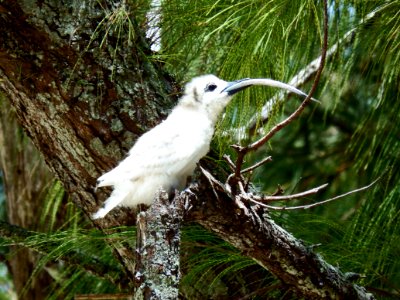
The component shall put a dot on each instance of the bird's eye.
(210, 87)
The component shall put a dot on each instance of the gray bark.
(158, 249)
(250, 229)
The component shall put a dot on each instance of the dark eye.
(210, 87)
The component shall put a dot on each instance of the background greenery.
(348, 140)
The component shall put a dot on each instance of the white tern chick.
(167, 154)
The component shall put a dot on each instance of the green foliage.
(79, 260)
(52, 202)
(240, 39)
(213, 267)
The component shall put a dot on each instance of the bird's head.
(210, 93)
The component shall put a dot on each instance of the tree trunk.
(80, 115)
(80, 118)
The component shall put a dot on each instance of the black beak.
(236, 86)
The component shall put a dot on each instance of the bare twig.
(244, 183)
(213, 182)
(250, 171)
(256, 165)
(248, 181)
(279, 191)
(229, 161)
(314, 204)
(290, 197)
(242, 151)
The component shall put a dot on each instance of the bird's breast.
(192, 122)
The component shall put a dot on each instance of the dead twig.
(229, 161)
(256, 165)
(279, 191)
(213, 182)
(251, 198)
(290, 197)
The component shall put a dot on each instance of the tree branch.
(258, 164)
(158, 249)
(250, 230)
(81, 131)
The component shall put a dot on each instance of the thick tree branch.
(252, 231)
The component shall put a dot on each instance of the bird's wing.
(159, 151)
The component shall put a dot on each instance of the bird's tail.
(120, 193)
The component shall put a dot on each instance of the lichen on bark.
(158, 249)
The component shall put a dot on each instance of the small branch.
(279, 191)
(229, 161)
(242, 151)
(260, 163)
(214, 182)
(237, 178)
(314, 204)
(291, 197)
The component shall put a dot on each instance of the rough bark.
(80, 115)
(158, 249)
(250, 229)
(82, 121)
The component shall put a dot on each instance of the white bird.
(167, 154)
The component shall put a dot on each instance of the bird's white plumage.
(167, 154)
